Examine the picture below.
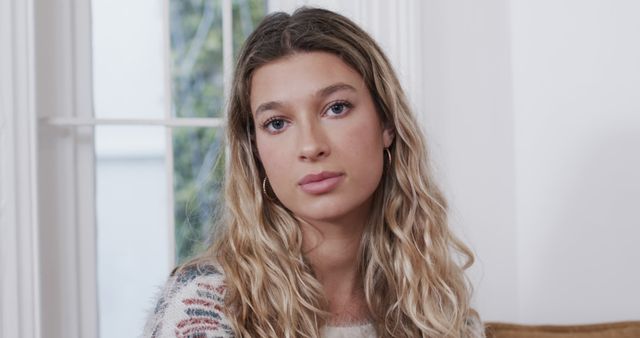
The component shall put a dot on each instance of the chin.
(321, 215)
(328, 210)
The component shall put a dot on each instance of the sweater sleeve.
(190, 305)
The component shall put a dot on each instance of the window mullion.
(227, 59)
(227, 45)
(169, 162)
(85, 188)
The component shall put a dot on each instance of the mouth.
(321, 183)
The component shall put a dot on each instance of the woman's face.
(318, 135)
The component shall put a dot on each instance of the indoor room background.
(111, 126)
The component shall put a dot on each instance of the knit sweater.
(191, 303)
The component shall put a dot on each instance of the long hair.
(411, 264)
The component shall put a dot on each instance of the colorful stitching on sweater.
(198, 314)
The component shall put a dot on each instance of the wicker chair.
(630, 329)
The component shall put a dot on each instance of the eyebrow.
(322, 93)
(326, 91)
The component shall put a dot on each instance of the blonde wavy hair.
(411, 263)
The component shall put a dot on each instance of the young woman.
(333, 226)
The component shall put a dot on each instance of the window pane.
(198, 170)
(196, 57)
(246, 16)
(133, 227)
(199, 92)
(133, 234)
(128, 58)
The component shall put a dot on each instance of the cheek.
(363, 139)
(362, 148)
(276, 161)
(270, 154)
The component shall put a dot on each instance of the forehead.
(299, 76)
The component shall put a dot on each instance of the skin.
(314, 113)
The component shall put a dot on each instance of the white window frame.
(19, 282)
(47, 183)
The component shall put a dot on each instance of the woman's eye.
(275, 125)
(339, 108)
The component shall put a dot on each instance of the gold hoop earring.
(264, 189)
(388, 155)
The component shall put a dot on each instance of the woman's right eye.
(275, 125)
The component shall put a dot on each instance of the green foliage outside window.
(197, 91)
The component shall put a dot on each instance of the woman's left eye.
(339, 108)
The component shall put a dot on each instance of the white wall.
(532, 112)
(576, 73)
(468, 118)
(543, 168)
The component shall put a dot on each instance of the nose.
(313, 143)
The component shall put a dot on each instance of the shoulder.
(190, 305)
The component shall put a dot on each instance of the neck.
(332, 249)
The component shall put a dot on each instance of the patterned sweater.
(191, 303)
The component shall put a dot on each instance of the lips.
(321, 183)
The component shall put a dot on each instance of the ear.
(388, 134)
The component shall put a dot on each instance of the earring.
(264, 190)
(388, 154)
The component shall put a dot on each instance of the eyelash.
(265, 126)
(346, 104)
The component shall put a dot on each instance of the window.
(159, 73)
